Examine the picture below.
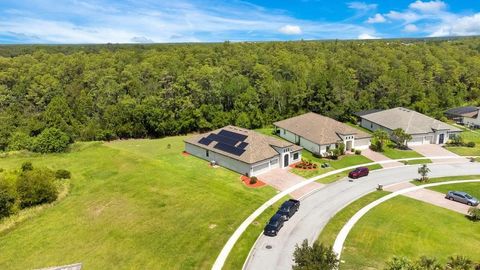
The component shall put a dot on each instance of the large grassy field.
(136, 204)
(407, 227)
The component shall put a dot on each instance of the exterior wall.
(287, 135)
(372, 126)
(224, 161)
(265, 166)
(310, 146)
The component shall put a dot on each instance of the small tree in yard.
(474, 213)
(315, 257)
(7, 199)
(423, 171)
(36, 187)
(401, 138)
(379, 140)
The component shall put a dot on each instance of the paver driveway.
(435, 150)
(282, 179)
(431, 197)
(375, 156)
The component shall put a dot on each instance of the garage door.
(260, 168)
(428, 139)
(416, 140)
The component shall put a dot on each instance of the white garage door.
(428, 139)
(416, 140)
(260, 168)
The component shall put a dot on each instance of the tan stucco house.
(318, 134)
(424, 129)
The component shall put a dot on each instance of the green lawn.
(407, 227)
(331, 230)
(445, 179)
(133, 204)
(342, 162)
(417, 161)
(468, 136)
(395, 153)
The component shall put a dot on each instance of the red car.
(358, 172)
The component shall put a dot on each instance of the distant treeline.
(103, 92)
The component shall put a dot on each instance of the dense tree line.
(119, 91)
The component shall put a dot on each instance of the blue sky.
(130, 21)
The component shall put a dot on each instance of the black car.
(289, 208)
(274, 225)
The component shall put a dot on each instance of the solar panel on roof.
(223, 139)
(232, 135)
(242, 145)
(205, 141)
(229, 149)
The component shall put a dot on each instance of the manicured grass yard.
(135, 204)
(468, 136)
(395, 153)
(471, 188)
(406, 227)
(342, 162)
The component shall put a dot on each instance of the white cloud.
(410, 28)
(290, 29)
(407, 16)
(361, 6)
(378, 18)
(428, 7)
(459, 26)
(367, 36)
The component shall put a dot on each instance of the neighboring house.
(468, 116)
(318, 134)
(424, 129)
(244, 151)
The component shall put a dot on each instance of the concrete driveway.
(435, 150)
(317, 209)
(431, 197)
(375, 156)
(282, 179)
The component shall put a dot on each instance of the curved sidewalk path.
(222, 257)
(342, 235)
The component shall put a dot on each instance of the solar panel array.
(227, 141)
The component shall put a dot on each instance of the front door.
(441, 138)
(285, 160)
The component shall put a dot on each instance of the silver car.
(462, 197)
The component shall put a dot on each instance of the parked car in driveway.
(358, 172)
(289, 208)
(462, 197)
(274, 225)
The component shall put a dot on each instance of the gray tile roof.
(319, 129)
(467, 111)
(411, 121)
(259, 146)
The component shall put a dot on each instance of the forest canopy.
(103, 92)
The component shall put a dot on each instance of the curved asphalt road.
(317, 209)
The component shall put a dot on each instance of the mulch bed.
(185, 153)
(246, 181)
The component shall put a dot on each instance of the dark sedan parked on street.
(289, 208)
(274, 225)
(462, 197)
(358, 172)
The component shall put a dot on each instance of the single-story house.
(424, 129)
(244, 151)
(318, 134)
(468, 116)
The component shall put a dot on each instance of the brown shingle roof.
(259, 146)
(411, 121)
(319, 129)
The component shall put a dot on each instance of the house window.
(207, 153)
(371, 125)
(284, 132)
(328, 148)
(295, 156)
